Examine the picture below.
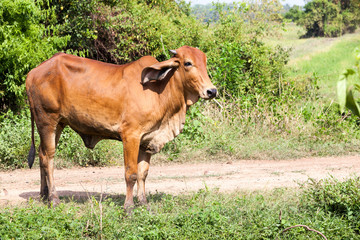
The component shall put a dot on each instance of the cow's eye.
(187, 64)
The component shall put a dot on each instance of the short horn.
(173, 52)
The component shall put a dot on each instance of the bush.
(335, 197)
(24, 42)
(240, 63)
(322, 18)
(14, 140)
(120, 32)
(248, 69)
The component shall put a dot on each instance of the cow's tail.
(31, 156)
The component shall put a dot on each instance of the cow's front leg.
(143, 167)
(131, 152)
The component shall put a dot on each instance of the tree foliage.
(240, 62)
(119, 32)
(330, 18)
(24, 42)
(294, 13)
(110, 31)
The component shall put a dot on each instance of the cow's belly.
(92, 131)
(154, 141)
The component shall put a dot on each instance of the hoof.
(129, 208)
(54, 201)
(144, 204)
(143, 201)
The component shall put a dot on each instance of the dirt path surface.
(18, 186)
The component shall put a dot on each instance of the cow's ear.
(160, 71)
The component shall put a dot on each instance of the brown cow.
(143, 104)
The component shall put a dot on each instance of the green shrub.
(74, 20)
(246, 70)
(322, 18)
(120, 32)
(24, 43)
(240, 63)
(14, 140)
(341, 198)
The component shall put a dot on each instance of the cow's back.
(88, 95)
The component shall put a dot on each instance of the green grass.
(326, 58)
(331, 207)
(327, 63)
(288, 36)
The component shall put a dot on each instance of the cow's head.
(191, 66)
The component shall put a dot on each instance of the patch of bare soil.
(19, 185)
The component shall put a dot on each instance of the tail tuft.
(31, 156)
(32, 152)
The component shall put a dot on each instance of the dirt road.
(18, 186)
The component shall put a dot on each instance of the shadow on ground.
(84, 196)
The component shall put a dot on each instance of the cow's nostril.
(211, 92)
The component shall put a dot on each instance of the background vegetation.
(329, 18)
(272, 104)
(277, 101)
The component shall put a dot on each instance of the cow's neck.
(189, 97)
(172, 104)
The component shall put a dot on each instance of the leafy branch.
(346, 89)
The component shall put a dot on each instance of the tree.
(322, 18)
(294, 13)
(330, 18)
(24, 43)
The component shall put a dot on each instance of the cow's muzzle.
(211, 92)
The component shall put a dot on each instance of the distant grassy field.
(326, 58)
(305, 48)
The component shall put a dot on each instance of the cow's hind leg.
(143, 167)
(49, 138)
